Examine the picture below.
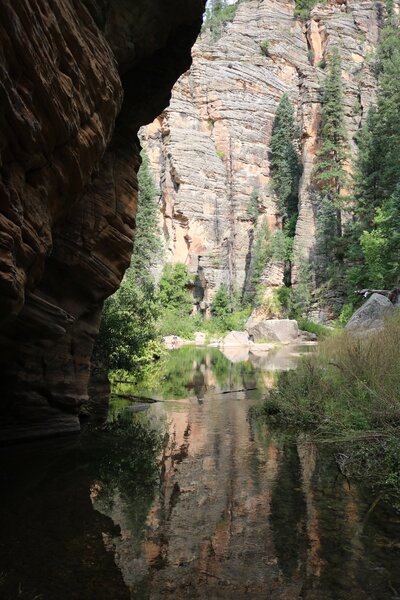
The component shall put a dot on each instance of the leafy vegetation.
(304, 7)
(181, 374)
(127, 337)
(285, 164)
(349, 389)
(321, 331)
(252, 207)
(372, 239)
(264, 47)
(330, 174)
(218, 13)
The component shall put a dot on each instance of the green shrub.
(320, 330)
(264, 47)
(304, 7)
(351, 384)
(283, 295)
(217, 16)
(173, 288)
(346, 313)
(220, 153)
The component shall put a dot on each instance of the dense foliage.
(147, 247)
(349, 389)
(304, 7)
(218, 13)
(330, 174)
(372, 250)
(285, 164)
(127, 337)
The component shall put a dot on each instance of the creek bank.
(260, 335)
(347, 392)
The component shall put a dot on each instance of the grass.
(185, 326)
(320, 331)
(348, 390)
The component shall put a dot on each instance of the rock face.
(275, 330)
(210, 149)
(79, 78)
(371, 315)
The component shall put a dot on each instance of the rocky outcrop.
(371, 315)
(210, 149)
(79, 78)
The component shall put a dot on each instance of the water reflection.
(235, 512)
(196, 372)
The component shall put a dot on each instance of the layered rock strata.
(79, 78)
(210, 149)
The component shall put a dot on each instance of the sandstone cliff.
(209, 149)
(78, 79)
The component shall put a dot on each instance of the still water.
(227, 509)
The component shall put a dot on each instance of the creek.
(228, 510)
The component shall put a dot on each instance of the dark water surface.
(236, 512)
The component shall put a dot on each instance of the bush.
(174, 288)
(217, 17)
(320, 330)
(264, 47)
(304, 7)
(350, 385)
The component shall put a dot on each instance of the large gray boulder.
(236, 338)
(371, 315)
(273, 330)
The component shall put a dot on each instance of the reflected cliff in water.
(221, 509)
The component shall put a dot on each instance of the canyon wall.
(78, 79)
(210, 149)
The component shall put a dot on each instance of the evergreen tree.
(128, 326)
(326, 241)
(367, 171)
(261, 255)
(377, 176)
(147, 246)
(381, 246)
(285, 166)
(174, 289)
(330, 174)
(222, 304)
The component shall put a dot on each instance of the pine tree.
(377, 176)
(330, 173)
(128, 326)
(261, 255)
(285, 166)
(367, 171)
(147, 246)
(330, 176)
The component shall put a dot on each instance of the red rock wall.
(78, 78)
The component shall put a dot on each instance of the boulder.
(307, 336)
(274, 330)
(199, 338)
(236, 338)
(371, 314)
(172, 342)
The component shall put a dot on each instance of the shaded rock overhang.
(78, 79)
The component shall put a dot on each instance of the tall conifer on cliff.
(285, 166)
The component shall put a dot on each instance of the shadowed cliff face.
(79, 77)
